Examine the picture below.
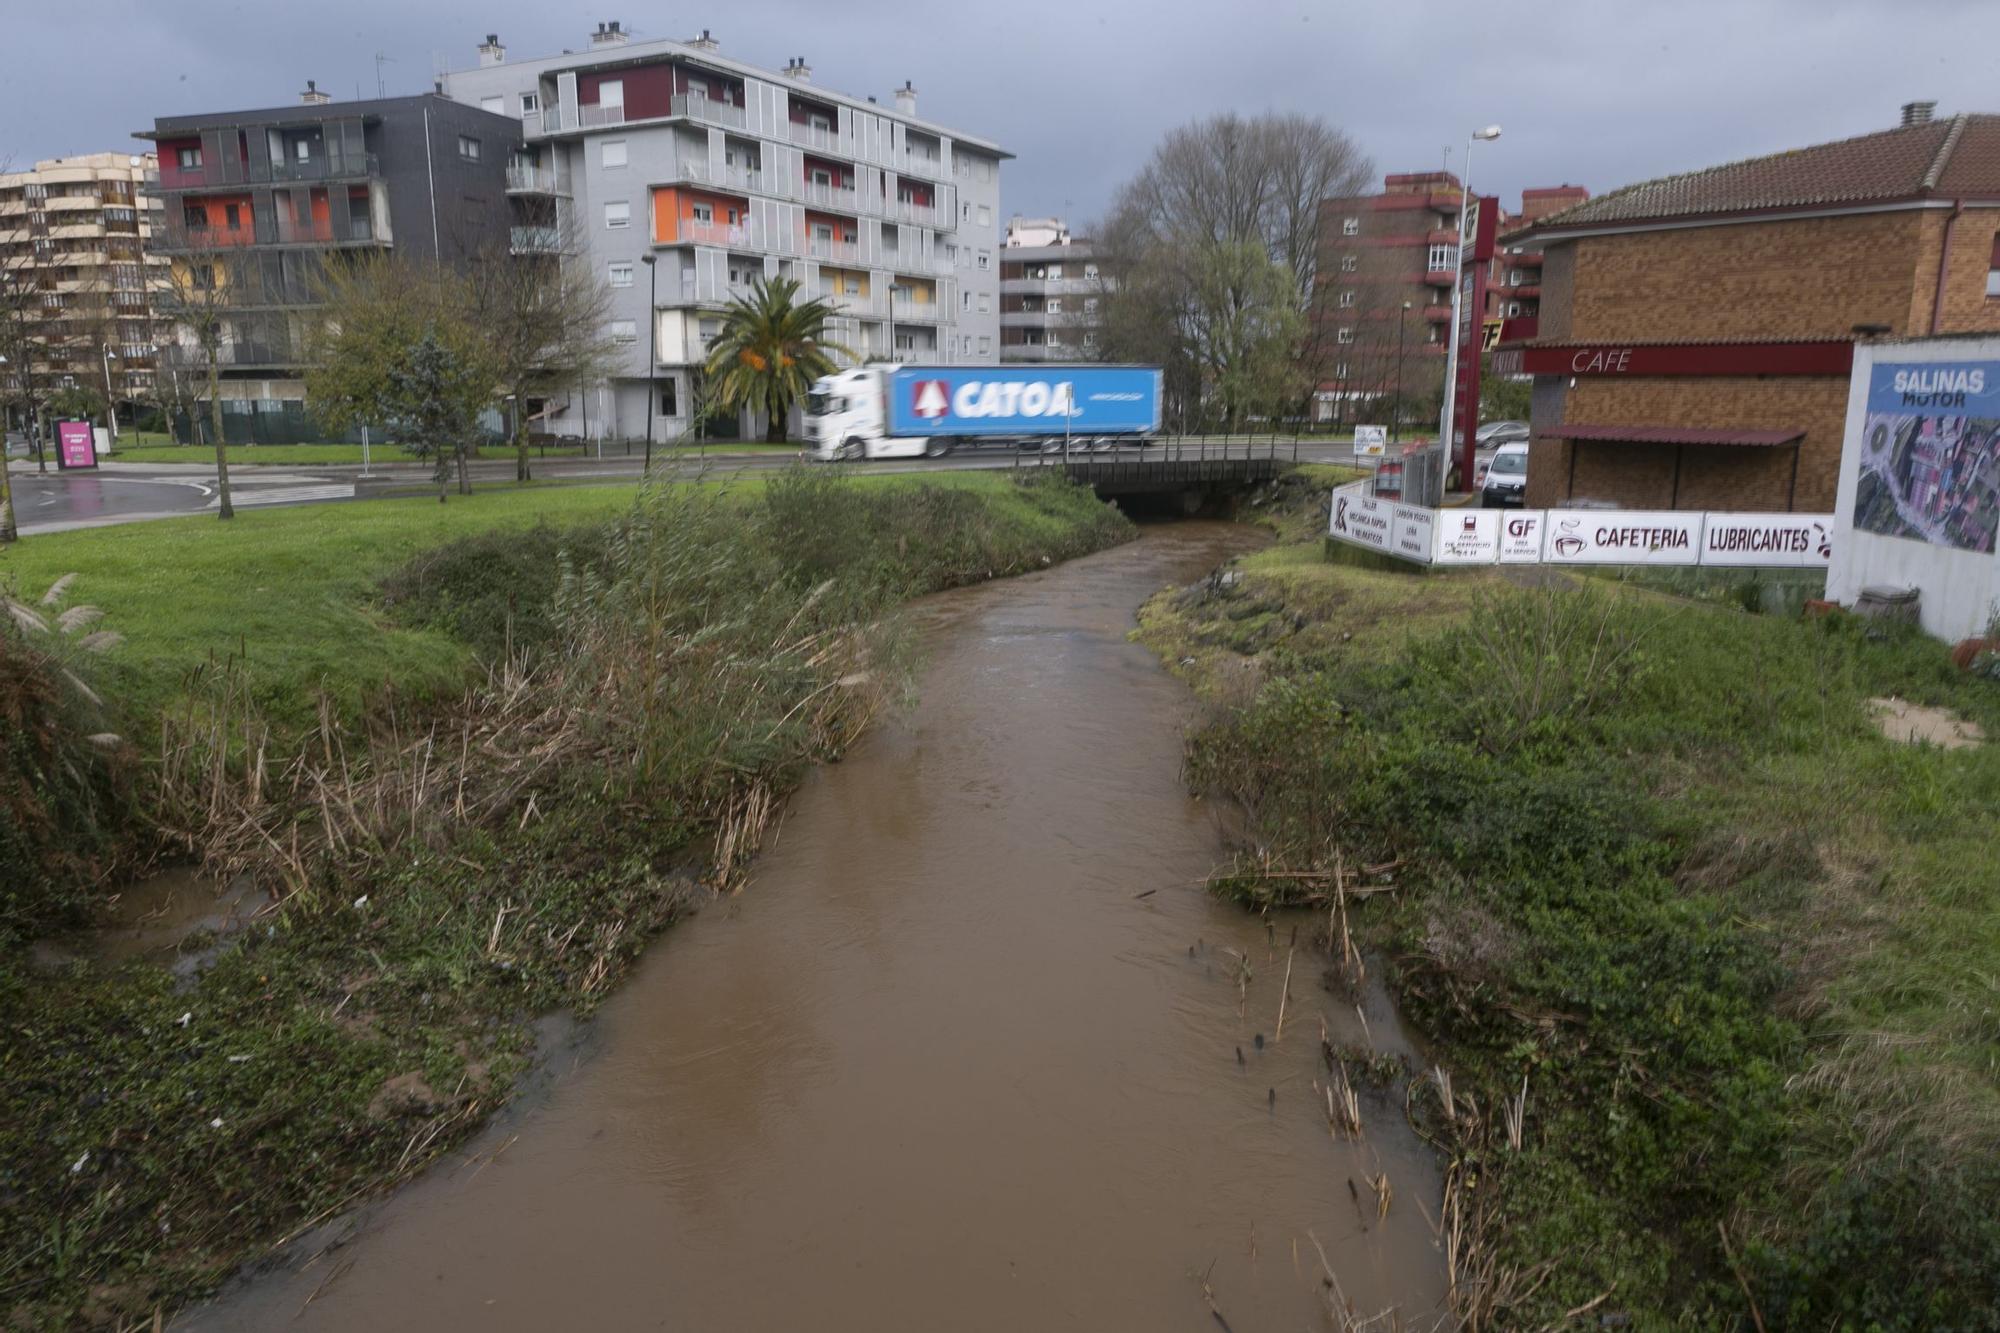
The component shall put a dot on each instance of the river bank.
(448, 862)
(1690, 940)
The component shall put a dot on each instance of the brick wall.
(1812, 276)
(1967, 307)
(1640, 476)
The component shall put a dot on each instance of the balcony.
(1438, 277)
(179, 238)
(728, 176)
(1031, 319)
(1437, 314)
(838, 196)
(1527, 291)
(922, 164)
(329, 166)
(742, 236)
(903, 309)
(1051, 351)
(527, 178)
(180, 356)
(812, 136)
(696, 292)
(906, 210)
(853, 304)
(846, 252)
(1441, 236)
(534, 240)
(1052, 286)
(709, 110)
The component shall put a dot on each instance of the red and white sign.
(1791, 540)
(1622, 537)
(1521, 536)
(930, 399)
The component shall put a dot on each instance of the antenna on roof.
(381, 60)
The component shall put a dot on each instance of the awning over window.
(1671, 434)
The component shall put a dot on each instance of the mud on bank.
(448, 870)
(1691, 940)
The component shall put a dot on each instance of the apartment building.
(683, 177)
(259, 201)
(76, 252)
(1049, 293)
(1387, 262)
(1696, 333)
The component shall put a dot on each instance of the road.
(134, 492)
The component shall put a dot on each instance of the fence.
(1427, 536)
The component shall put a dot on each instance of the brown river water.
(938, 1066)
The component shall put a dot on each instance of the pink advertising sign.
(75, 446)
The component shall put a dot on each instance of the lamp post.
(652, 346)
(1396, 421)
(110, 401)
(1490, 133)
(8, 530)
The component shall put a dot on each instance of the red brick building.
(1384, 284)
(1695, 333)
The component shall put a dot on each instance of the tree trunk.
(8, 531)
(774, 424)
(464, 473)
(521, 438)
(223, 509)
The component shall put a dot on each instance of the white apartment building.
(722, 172)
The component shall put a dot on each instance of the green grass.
(1659, 863)
(160, 450)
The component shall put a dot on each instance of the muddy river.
(940, 1065)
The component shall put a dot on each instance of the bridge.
(1192, 470)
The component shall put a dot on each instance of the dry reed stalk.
(1284, 994)
(1515, 1111)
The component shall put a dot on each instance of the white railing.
(905, 210)
(903, 307)
(708, 109)
(530, 179)
(820, 248)
(534, 240)
(597, 113)
(812, 136)
(840, 196)
(716, 233)
(852, 303)
(920, 164)
(739, 178)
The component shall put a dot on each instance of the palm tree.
(771, 348)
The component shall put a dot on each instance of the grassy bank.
(451, 864)
(1655, 866)
(317, 455)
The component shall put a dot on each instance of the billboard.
(1371, 441)
(1019, 400)
(76, 445)
(1930, 454)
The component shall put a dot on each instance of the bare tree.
(17, 379)
(1180, 289)
(199, 300)
(544, 319)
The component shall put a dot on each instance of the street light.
(110, 401)
(1490, 133)
(652, 346)
(1396, 422)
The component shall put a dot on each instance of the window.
(233, 215)
(189, 158)
(1340, 371)
(1345, 336)
(1348, 263)
(611, 96)
(965, 211)
(1055, 305)
(1346, 299)
(985, 216)
(621, 275)
(612, 154)
(822, 231)
(906, 342)
(1440, 257)
(984, 171)
(985, 304)
(822, 177)
(985, 259)
(303, 150)
(1090, 271)
(669, 400)
(468, 148)
(1090, 305)
(530, 103)
(1350, 226)
(618, 214)
(702, 213)
(985, 345)
(194, 217)
(496, 105)
(1513, 277)
(965, 300)
(624, 331)
(1993, 270)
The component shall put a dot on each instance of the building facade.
(1382, 301)
(81, 273)
(259, 202)
(721, 173)
(1049, 293)
(1696, 333)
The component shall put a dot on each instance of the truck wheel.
(939, 446)
(852, 451)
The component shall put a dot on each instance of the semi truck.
(908, 411)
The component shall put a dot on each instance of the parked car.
(1496, 433)
(1505, 484)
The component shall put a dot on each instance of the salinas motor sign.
(1579, 536)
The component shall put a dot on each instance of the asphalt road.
(133, 492)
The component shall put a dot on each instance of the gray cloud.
(1596, 92)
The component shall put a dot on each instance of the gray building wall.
(958, 254)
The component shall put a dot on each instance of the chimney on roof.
(703, 42)
(1918, 113)
(906, 98)
(608, 34)
(312, 96)
(491, 52)
(797, 68)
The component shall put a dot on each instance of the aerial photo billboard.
(1930, 454)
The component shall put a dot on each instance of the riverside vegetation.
(484, 778)
(1705, 961)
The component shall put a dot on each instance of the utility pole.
(1396, 421)
(652, 347)
(1490, 133)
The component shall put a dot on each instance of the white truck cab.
(847, 417)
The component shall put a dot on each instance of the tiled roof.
(1954, 158)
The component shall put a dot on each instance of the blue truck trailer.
(903, 411)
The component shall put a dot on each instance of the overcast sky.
(1593, 92)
